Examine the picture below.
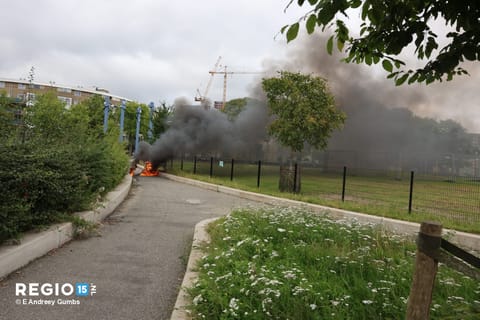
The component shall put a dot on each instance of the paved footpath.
(137, 263)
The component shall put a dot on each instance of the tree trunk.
(290, 178)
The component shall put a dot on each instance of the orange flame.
(149, 171)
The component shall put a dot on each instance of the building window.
(22, 86)
(77, 93)
(64, 90)
(66, 100)
(2, 84)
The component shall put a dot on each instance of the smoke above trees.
(380, 117)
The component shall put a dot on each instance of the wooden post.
(426, 266)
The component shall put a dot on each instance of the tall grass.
(287, 263)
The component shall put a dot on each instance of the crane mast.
(225, 73)
(201, 97)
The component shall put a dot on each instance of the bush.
(62, 167)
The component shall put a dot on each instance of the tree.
(233, 107)
(10, 118)
(304, 111)
(390, 26)
(160, 116)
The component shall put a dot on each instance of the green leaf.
(330, 45)
(401, 80)
(387, 65)
(368, 59)
(292, 31)
(398, 63)
(311, 22)
(413, 78)
(469, 52)
(355, 4)
(340, 44)
(365, 8)
(325, 14)
(312, 2)
(284, 28)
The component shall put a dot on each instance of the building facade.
(26, 91)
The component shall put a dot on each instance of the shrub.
(62, 167)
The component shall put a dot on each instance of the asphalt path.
(135, 264)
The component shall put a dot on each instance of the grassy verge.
(286, 263)
(455, 205)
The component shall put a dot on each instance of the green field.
(453, 202)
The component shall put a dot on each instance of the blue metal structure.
(122, 119)
(106, 111)
(150, 123)
(137, 133)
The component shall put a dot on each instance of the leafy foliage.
(160, 116)
(233, 107)
(304, 108)
(390, 26)
(9, 112)
(61, 165)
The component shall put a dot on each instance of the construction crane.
(199, 96)
(225, 73)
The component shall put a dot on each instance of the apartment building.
(26, 91)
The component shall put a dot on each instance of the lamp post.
(150, 123)
(106, 110)
(122, 119)
(137, 132)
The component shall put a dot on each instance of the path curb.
(36, 244)
(200, 236)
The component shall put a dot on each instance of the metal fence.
(443, 198)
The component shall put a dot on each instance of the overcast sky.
(158, 50)
(146, 50)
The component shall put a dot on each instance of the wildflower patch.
(289, 263)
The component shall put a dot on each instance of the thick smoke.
(195, 130)
(381, 124)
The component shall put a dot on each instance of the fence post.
(231, 170)
(259, 172)
(181, 163)
(171, 163)
(194, 164)
(410, 197)
(211, 167)
(295, 178)
(344, 182)
(426, 266)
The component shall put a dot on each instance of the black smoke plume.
(194, 130)
(382, 127)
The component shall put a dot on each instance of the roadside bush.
(62, 167)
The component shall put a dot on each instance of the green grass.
(286, 263)
(455, 204)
